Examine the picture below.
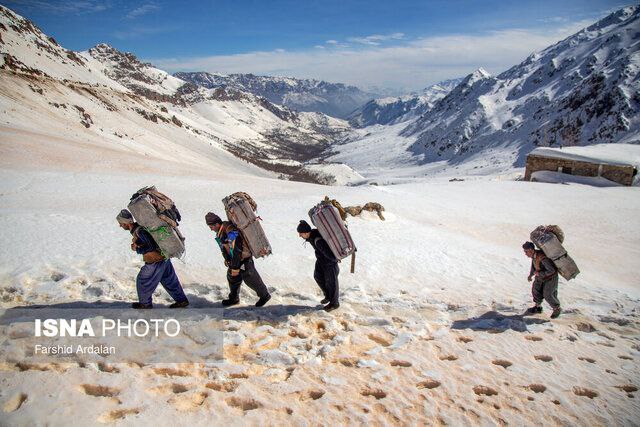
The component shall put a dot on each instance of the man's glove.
(529, 278)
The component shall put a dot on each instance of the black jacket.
(323, 251)
(231, 244)
(143, 240)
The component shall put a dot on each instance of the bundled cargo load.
(240, 209)
(159, 216)
(549, 239)
(328, 220)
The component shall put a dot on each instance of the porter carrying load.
(549, 239)
(327, 219)
(240, 209)
(159, 216)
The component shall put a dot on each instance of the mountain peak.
(334, 99)
(578, 91)
(138, 76)
(104, 52)
(477, 75)
(104, 47)
(482, 72)
(616, 18)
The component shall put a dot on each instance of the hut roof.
(611, 154)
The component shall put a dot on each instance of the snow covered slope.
(384, 111)
(140, 77)
(104, 95)
(429, 330)
(27, 50)
(582, 90)
(333, 99)
(429, 325)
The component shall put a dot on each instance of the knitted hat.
(212, 219)
(304, 227)
(125, 217)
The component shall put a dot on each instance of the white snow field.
(428, 332)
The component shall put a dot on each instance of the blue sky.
(352, 41)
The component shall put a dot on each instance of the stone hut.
(583, 161)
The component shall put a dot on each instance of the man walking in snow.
(545, 281)
(326, 268)
(239, 261)
(156, 269)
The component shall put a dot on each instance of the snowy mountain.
(105, 96)
(582, 90)
(141, 78)
(333, 99)
(391, 110)
(430, 327)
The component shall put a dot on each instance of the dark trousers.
(547, 290)
(151, 275)
(326, 276)
(250, 276)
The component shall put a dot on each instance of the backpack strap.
(537, 260)
(135, 234)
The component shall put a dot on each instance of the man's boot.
(262, 301)
(141, 306)
(231, 301)
(556, 313)
(536, 309)
(234, 297)
(331, 307)
(180, 304)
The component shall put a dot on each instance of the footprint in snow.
(401, 363)
(15, 402)
(377, 393)
(449, 357)
(484, 390)
(504, 363)
(119, 414)
(246, 404)
(582, 391)
(430, 384)
(99, 390)
(225, 387)
(537, 388)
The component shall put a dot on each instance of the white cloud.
(411, 64)
(142, 10)
(553, 19)
(376, 39)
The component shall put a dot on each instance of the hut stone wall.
(622, 174)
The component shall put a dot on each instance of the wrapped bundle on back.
(159, 216)
(549, 238)
(240, 209)
(327, 219)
